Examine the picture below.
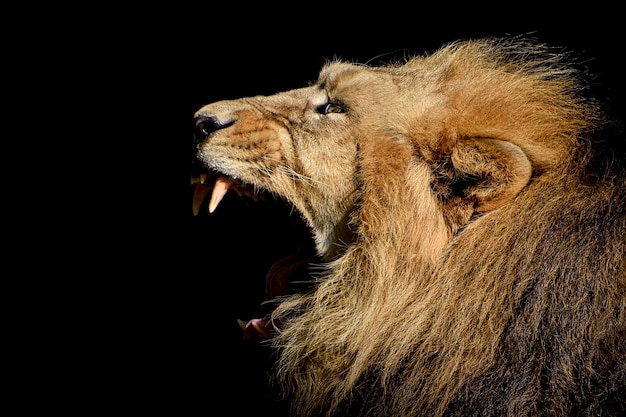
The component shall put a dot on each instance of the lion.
(467, 209)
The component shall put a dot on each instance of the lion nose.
(206, 125)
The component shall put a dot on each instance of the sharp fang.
(241, 324)
(199, 193)
(222, 184)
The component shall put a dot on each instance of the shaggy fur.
(472, 219)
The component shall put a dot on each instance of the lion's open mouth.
(288, 275)
(218, 185)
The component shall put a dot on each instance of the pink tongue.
(222, 185)
(256, 327)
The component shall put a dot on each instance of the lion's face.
(357, 128)
(300, 145)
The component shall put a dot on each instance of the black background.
(163, 288)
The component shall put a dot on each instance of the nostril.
(205, 126)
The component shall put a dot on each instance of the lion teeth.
(199, 194)
(222, 185)
(242, 324)
(200, 179)
(203, 185)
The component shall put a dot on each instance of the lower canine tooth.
(242, 324)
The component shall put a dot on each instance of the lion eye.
(331, 108)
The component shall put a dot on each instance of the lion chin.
(463, 223)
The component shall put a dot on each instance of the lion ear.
(494, 171)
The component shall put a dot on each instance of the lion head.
(468, 233)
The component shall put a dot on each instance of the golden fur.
(473, 231)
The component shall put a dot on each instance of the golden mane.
(472, 228)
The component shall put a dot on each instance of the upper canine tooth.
(222, 185)
(199, 193)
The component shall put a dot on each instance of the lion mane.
(468, 210)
